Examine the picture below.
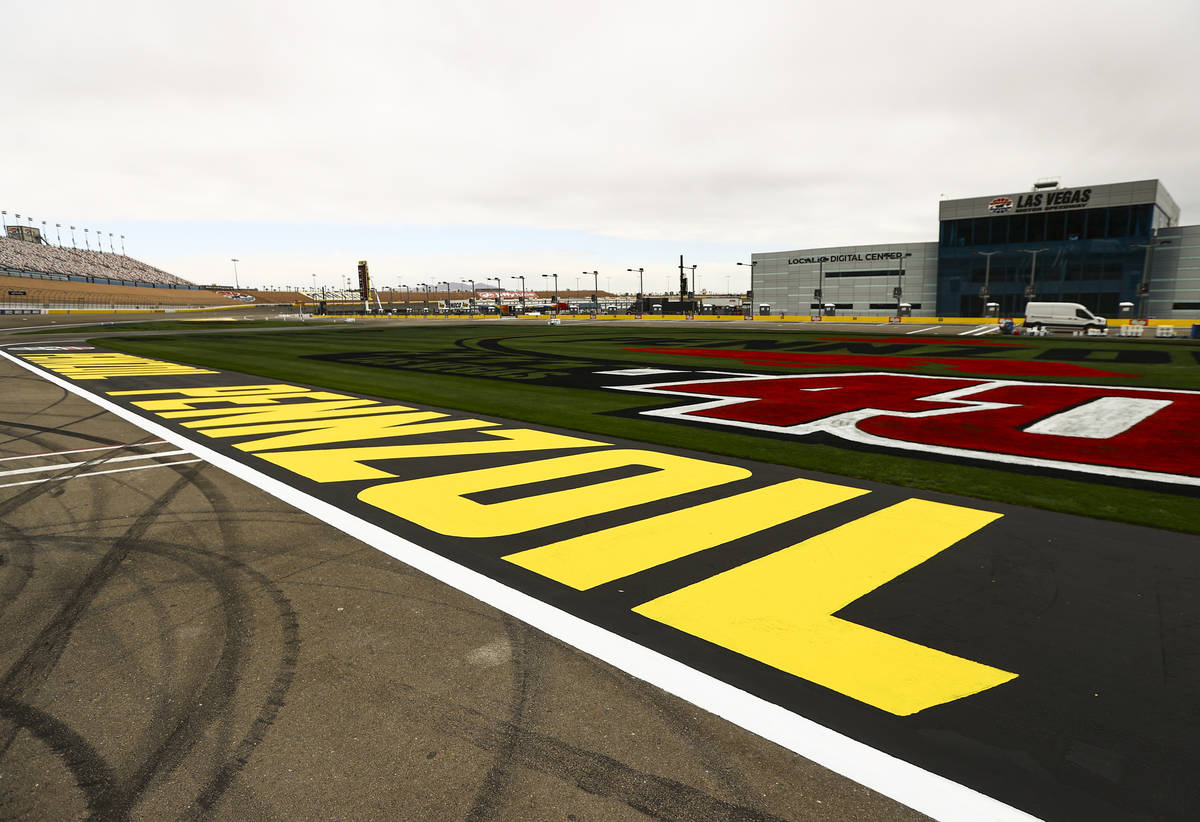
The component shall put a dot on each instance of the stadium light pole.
(471, 300)
(123, 245)
(73, 239)
(499, 293)
(235, 274)
(595, 290)
(750, 290)
(1143, 289)
(900, 283)
(110, 244)
(521, 299)
(1029, 290)
(555, 276)
(986, 292)
(85, 238)
(58, 232)
(4, 220)
(640, 296)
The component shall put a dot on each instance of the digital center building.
(1100, 245)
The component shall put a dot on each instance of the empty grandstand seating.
(17, 255)
(41, 293)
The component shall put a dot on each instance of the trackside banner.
(973, 660)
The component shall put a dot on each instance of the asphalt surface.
(177, 644)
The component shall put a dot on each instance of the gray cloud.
(769, 124)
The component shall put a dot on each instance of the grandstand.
(28, 294)
(22, 257)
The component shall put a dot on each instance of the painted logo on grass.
(1134, 433)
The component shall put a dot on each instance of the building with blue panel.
(1089, 245)
(1099, 245)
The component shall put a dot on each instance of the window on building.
(1056, 226)
(981, 231)
(895, 272)
(1118, 222)
(1095, 220)
(1037, 228)
(1139, 220)
(1019, 229)
(1000, 229)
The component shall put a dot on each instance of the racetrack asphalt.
(177, 644)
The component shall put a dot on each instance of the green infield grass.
(176, 325)
(503, 370)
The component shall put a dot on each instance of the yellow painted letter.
(779, 609)
(440, 503)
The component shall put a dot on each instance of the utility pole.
(1143, 288)
(1030, 290)
(985, 292)
(750, 290)
(595, 290)
(640, 287)
(899, 292)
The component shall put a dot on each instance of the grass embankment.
(479, 349)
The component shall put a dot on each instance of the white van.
(1061, 315)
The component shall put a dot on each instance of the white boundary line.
(55, 466)
(926, 792)
(97, 473)
(81, 450)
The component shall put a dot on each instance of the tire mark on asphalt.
(203, 703)
(674, 714)
(32, 492)
(39, 659)
(594, 773)
(18, 559)
(225, 770)
(527, 646)
(489, 617)
(53, 430)
(35, 664)
(92, 774)
(63, 394)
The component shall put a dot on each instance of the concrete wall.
(787, 279)
(1175, 274)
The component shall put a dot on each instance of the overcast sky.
(479, 139)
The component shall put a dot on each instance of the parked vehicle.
(1061, 315)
